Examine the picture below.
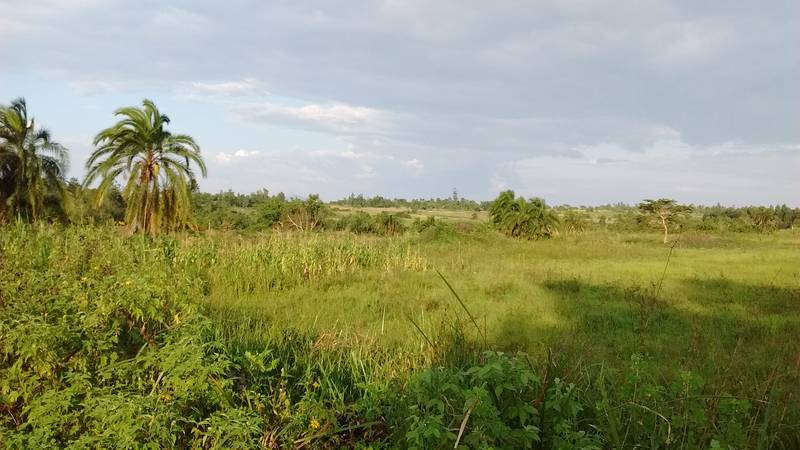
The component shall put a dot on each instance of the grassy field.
(328, 340)
(471, 217)
(725, 306)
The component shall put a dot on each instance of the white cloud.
(245, 153)
(414, 165)
(246, 87)
(225, 158)
(337, 118)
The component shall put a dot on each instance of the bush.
(387, 225)
(358, 222)
(308, 215)
(270, 211)
(101, 350)
(420, 225)
(431, 229)
(519, 218)
(498, 403)
(575, 222)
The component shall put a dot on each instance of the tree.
(502, 206)
(156, 163)
(764, 219)
(305, 215)
(388, 224)
(517, 217)
(32, 166)
(663, 212)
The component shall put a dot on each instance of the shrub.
(357, 222)
(519, 218)
(496, 403)
(420, 225)
(383, 224)
(431, 229)
(575, 221)
(387, 224)
(101, 350)
(270, 211)
(308, 215)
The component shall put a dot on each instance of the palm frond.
(32, 165)
(157, 163)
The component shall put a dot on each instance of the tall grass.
(372, 348)
(277, 261)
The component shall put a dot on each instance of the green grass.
(727, 309)
(732, 300)
(359, 333)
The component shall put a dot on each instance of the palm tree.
(503, 206)
(31, 164)
(517, 217)
(157, 164)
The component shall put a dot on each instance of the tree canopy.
(157, 165)
(32, 165)
(517, 217)
(663, 212)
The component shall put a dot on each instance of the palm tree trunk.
(148, 179)
(144, 216)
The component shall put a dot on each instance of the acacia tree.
(663, 212)
(517, 217)
(156, 163)
(32, 166)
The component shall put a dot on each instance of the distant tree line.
(759, 219)
(748, 218)
(453, 203)
(261, 211)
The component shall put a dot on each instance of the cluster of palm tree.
(32, 165)
(521, 218)
(155, 164)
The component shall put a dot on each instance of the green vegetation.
(329, 340)
(663, 213)
(32, 166)
(517, 217)
(261, 321)
(156, 163)
(260, 210)
(452, 203)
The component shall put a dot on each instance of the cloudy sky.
(577, 101)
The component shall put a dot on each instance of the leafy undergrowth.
(102, 345)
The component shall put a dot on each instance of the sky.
(581, 102)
